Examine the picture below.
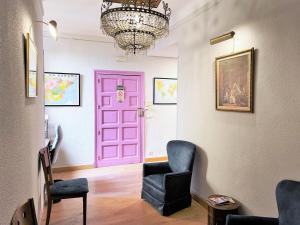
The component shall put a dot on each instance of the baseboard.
(156, 159)
(72, 168)
(200, 200)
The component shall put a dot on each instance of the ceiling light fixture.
(134, 24)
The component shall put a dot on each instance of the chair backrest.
(56, 144)
(46, 164)
(25, 214)
(288, 201)
(181, 155)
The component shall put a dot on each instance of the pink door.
(119, 121)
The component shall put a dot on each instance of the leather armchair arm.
(178, 184)
(250, 220)
(156, 168)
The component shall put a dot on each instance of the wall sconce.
(222, 38)
(52, 26)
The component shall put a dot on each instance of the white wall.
(78, 122)
(240, 154)
(21, 119)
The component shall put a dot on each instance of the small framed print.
(165, 91)
(234, 81)
(31, 68)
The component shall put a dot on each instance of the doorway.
(119, 117)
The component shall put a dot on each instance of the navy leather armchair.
(166, 185)
(288, 201)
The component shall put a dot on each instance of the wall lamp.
(222, 38)
(52, 26)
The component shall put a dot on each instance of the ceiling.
(81, 19)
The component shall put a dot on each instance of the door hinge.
(98, 106)
(99, 132)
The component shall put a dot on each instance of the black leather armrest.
(156, 168)
(250, 220)
(178, 184)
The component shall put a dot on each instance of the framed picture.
(234, 81)
(164, 91)
(62, 89)
(31, 68)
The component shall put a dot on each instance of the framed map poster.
(165, 91)
(62, 89)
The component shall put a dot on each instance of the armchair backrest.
(288, 201)
(56, 144)
(181, 155)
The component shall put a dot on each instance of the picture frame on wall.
(62, 89)
(31, 73)
(164, 91)
(234, 76)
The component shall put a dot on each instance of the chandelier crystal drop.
(134, 24)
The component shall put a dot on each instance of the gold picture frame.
(31, 68)
(234, 81)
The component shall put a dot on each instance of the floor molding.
(72, 168)
(156, 159)
(200, 200)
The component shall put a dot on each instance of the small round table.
(217, 213)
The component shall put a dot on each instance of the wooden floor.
(114, 198)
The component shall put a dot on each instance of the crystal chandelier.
(134, 24)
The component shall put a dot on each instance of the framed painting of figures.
(234, 81)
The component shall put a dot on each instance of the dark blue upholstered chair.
(65, 189)
(166, 185)
(288, 201)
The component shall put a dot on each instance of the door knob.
(141, 112)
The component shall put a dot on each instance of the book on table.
(221, 200)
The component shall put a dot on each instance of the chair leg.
(84, 209)
(49, 206)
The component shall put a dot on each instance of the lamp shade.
(52, 25)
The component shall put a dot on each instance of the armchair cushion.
(250, 220)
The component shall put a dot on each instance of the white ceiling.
(81, 18)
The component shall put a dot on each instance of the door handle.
(141, 112)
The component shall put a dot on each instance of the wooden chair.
(75, 188)
(25, 214)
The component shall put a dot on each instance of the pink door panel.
(119, 128)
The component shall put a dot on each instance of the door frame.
(123, 73)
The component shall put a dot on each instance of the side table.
(217, 213)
